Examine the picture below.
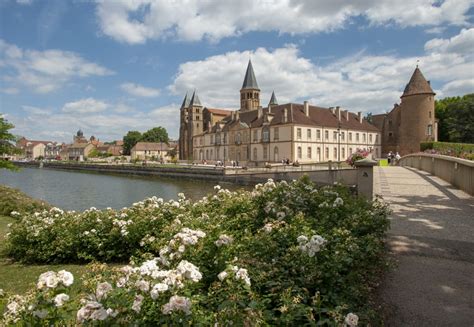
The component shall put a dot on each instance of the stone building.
(412, 121)
(254, 135)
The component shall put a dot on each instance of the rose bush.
(282, 254)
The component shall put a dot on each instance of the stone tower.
(183, 128)
(249, 93)
(195, 122)
(417, 114)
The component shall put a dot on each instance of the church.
(254, 135)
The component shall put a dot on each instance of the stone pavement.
(432, 241)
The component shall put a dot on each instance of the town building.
(34, 149)
(151, 151)
(412, 121)
(255, 135)
(79, 151)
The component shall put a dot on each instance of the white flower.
(189, 271)
(280, 215)
(302, 239)
(92, 310)
(268, 228)
(66, 277)
(351, 320)
(338, 202)
(142, 285)
(216, 188)
(48, 279)
(102, 290)
(177, 303)
(137, 304)
(222, 275)
(100, 314)
(60, 299)
(224, 240)
(157, 289)
(243, 275)
(121, 282)
(13, 307)
(111, 312)
(40, 313)
(2, 293)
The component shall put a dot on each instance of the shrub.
(13, 200)
(282, 254)
(460, 150)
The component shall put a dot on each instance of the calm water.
(78, 191)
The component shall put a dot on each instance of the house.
(79, 151)
(34, 149)
(151, 151)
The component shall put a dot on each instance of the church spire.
(195, 100)
(250, 82)
(273, 100)
(186, 100)
(417, 84)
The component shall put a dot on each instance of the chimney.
(333, 110)
(359, 115)
(347, 114)
(306, 108)
(237, 115)
(338, 113)
(285, 115)
(209, 126)
(269, 108)
(232, 115)
(259, 113)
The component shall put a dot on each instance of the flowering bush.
(358, 155)
(281, 254)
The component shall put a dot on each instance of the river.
(72, 190)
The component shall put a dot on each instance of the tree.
(6, 145)
(129, 141)
(368, 117)
(455, 119)
(156, 134)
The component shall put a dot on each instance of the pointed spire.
(195, 100)
(185, 103)
(417, 84)
(273, 100)
(250, 82)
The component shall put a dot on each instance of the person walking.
(389, 157)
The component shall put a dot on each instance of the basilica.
(254, 134)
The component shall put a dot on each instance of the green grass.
(18, 278)
(12, 199)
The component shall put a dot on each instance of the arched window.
(300, 153)
(255, 154)
(275, 154)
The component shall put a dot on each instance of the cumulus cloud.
(462, 43)
(139, 90)
(135, 22)
(85, 106)
(360, 82)
(44, 71)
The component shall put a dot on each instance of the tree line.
(455, 119)
(156, 134)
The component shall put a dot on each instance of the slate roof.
(417, 85)
(186, 101)
(250, 82)
(195, 100)
(219, 112)
(273, 100)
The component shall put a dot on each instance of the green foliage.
(456, 119)
(292, 255)
(460, 150)
(368, 117)
(129, 141)
(6, 145)
(156, 134)
(14, 200)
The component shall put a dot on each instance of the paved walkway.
(432, 240)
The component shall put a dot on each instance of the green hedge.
(461, 150)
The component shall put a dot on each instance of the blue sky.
(111, 66)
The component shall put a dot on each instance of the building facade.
(412, 121)
(255, 135)
(151, 151)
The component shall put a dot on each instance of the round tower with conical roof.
(417, 121)
(249, 93)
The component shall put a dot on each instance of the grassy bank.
(12, 199)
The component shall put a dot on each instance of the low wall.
(456, 171)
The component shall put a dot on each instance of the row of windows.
(336, 136)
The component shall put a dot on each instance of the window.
(275, 153)
(370, 138)
(218, 138)
(266, 135)
(318, 134)
(197, 117)
(327, 153)
(342, 136)
(197, 111)
(343, 153)
(335, 153)
(350, 151)
(429, 114)
(197, 125)
(298, 133)
(357, 137)
(430, 129)
(276, 133)
(212, 139)
(350, 136)
(265, 156)
(225, 138)
(390, 134)
(211, 153)
(255, 135)
(376, 138)
(300, 154)
(255, 154)
(326, 135)
(308, 134)
(334, 136)
(238, 138)
(318, 153)
(364, 137)
(309, 152)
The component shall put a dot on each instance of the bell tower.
(249, 93)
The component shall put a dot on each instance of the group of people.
(393, 158)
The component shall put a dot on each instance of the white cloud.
(85, 106)
(135, 22)
(10, 90)
(24, 2)
(139, 90)
(462, 43)
(361, 82)
(44, 71)
(36, 111)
